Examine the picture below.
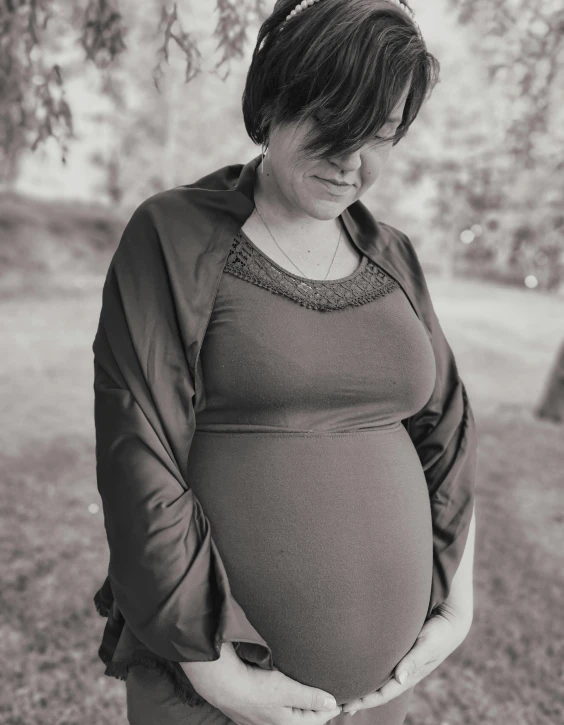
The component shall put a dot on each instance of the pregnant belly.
(327, 542)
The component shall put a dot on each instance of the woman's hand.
(441, 634)
(250, 695)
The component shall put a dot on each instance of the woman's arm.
(166, 574)
(460, 601)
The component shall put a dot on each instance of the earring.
(264, 152)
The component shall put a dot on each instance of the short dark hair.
(346, 62)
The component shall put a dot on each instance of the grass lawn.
(54, 553)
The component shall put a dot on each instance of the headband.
(408, 11)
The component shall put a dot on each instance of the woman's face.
(301, 182)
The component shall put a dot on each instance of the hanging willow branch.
(103, 32)
(33, 106)
(231, 29)
(523, 42)
(32, 98)
(170, 26)
(32, 91)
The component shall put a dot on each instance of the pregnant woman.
(285, 450)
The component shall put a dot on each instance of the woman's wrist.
(459, 604)
(460, 617)
(227, 651)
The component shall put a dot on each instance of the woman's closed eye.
(384, 138)
(387, 137)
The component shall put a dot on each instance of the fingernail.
(330, 703)
(401, 677)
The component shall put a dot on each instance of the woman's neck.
(284, 219)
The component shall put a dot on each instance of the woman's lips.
(335, 189)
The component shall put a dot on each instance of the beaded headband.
(408, 11)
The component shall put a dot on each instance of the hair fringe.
(337, 70)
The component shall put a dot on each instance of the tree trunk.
(552, 403)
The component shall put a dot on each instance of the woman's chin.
(326, 209)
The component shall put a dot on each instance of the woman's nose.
(350, 162)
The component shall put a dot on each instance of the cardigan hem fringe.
(120, 669)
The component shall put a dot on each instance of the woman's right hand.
(250, 695)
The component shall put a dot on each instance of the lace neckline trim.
(365, 284)
(352, 275)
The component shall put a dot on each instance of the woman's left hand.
(441, 634)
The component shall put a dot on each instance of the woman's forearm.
(461, 596)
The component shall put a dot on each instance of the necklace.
(288, 258)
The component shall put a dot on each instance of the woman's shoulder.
(395, 236)
(185, 211)
(395, 249)
(381, 238)
(191, 194)
(399, 245)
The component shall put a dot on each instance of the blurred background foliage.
(109, 101)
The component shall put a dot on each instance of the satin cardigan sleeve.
(445, 437)
(165, 571)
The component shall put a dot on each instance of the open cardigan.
(166, 595)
